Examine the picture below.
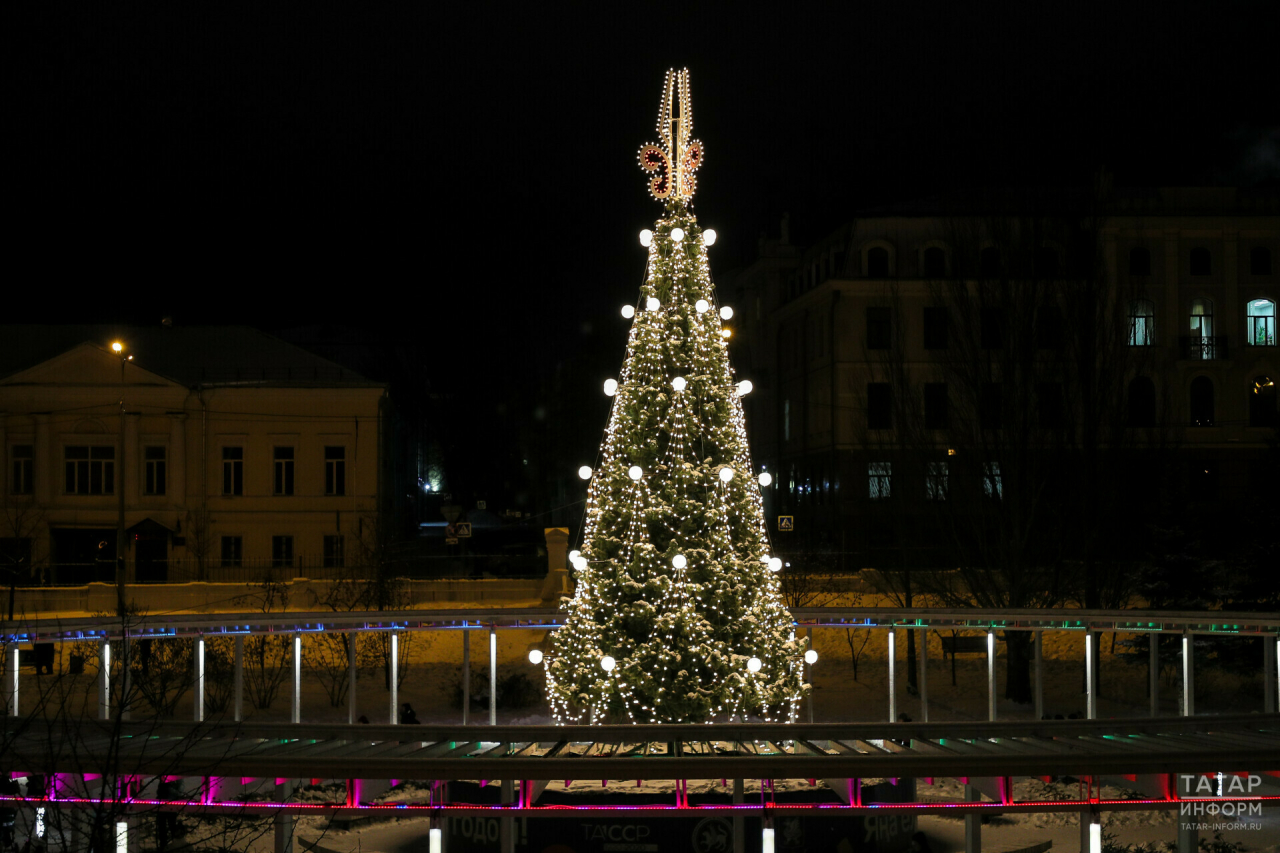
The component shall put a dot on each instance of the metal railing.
(1203, 348)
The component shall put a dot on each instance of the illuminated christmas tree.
(677, 614)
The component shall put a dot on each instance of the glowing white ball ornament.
(678, 383)
(574, 554)
(709, 237)
(535, 656)
(726, 474)
(811, 657)
(677, 234)
(628, 311)
(652, 304)
(702, 305)
(610, 387)
(726, 313)
(607, 663)
(679, 561)
(585, 472)
(635, 472)
(775, 564)
(754, 665)
(766, 479)
(646, 238)
(744, 387)
(580, 563)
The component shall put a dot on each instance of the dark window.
(23, 480)
(1262, 402)
(878, 262)
(935, 263)
(935, 328)
(879, 328)
(1049, 333)
(90, 470)
(333, 552)
(281, 551)
(335, 470)
(1202, 401)
(989, 262)
(991, 406)
(233, 470)
(1049, 406)
(284, 470)
(1046, 262)
(878, 414)
(1139, 261)
(1200, 263)
(935, 405)
(1259, 261)
(992, 328)
(1142, 402)
(154, 460)
(232, 551)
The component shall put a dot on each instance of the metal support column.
(1188, 837)
(1269, 676)
(295, 714)
(284, 821)
(1037, 650)
(104, 679)
(991, 674)
(239, 678)
(1188, 676)
(923, 675)
(1090, 678)
(893, 680)
(1091, 832)
(739, 825)
(1153, 671)
(197, 687)
(352, 639)
(972, 823)
(466, 674)
(506, 826)
(493, 675)
(11, 679)
(393, 664)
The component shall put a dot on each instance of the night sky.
(466, 178)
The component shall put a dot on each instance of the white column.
(991, 674)
(466, 675)
(197, 660)
(284, 821)
(493, 675)
(239, 678)
(1090, 678)
(1037, 644)
(11, 679)
(352, 639)
(122, 836)
(104, 679)
(1188, 677)
(435, 844)
(766, 838)
(1090, 832)
(1270, 677)
(296, 713)
(809, 698)
(893, 681)
(923, 675)
(1153, 671)
(393, 663)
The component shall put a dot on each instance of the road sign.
(451, 512)
(464, 529)
(482, 504)
(451, 540)
(786, 522)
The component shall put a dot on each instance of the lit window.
(1261, 330)
(1142, 323)
(992, 485)
(935, 484)
(879, 480)
(1200, 344)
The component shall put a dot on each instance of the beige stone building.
(219, 451)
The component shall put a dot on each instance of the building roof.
(191, 355)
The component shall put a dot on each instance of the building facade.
(212, 453)
(871, 353)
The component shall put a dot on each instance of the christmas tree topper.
(675, 126)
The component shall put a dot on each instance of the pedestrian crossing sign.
(786, 522)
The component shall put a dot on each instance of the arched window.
(1200, 264)
(1139, 261)
(1202, 401)
(1142, 323)
(1200, 342)
(1259, 261)
(1260, 329)
(1262, 402)
(1046, 262)
(989, 262)
(935, 262)
(1142, 402)
(878, 262)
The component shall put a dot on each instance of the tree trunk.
(1017, 683)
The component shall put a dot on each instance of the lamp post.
(118, 348)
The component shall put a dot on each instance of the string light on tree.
(675, 589)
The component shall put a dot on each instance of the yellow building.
(219, 451)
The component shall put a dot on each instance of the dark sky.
(468, 175)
